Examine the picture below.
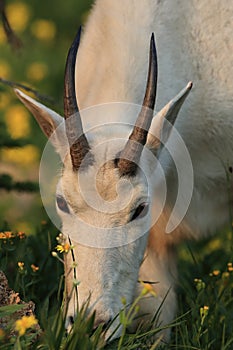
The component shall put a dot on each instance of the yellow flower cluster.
(204, 311)
(44, 29)
(25, 323)
(17, 121)
(18, 14)
(199, 284)
(21, 266)
(225, 274)
(63, 246)
(229, 267)
(37, 71)
(9, 235)
(24, 156)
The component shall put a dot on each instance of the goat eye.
(62, 205)
(141, 211)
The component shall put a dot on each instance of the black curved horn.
(79, 146)
(130, 155)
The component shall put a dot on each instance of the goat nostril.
(71, 319)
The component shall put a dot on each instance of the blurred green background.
(46, 30)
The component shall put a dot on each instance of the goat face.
(107, 219)
(105, 191)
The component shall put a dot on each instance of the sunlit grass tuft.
(205, 296)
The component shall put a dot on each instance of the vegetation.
(33, 262)
(34, 268)
(34, 41)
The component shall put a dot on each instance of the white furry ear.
(51, 123)
(160, 129)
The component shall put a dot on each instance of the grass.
(205, 298)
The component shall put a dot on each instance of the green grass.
(205, 299)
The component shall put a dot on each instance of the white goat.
(194, 41)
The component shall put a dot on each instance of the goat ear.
(160, 129)
(51, 123)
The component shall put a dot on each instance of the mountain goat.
(132, 185)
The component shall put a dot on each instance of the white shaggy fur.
(194, 42)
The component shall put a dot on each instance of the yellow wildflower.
(25, 155)
(7, 235)
(147, 289)
(63, 248)
(216, 272)
(204, 311)
(21, 265)
(229, 267)
(37, 71)
(24, 323)
(17, 115)
(44, 29)
(34, 268)
(21, 234)
(18, 14)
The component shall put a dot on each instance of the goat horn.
(79, 146)
(130, 155)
